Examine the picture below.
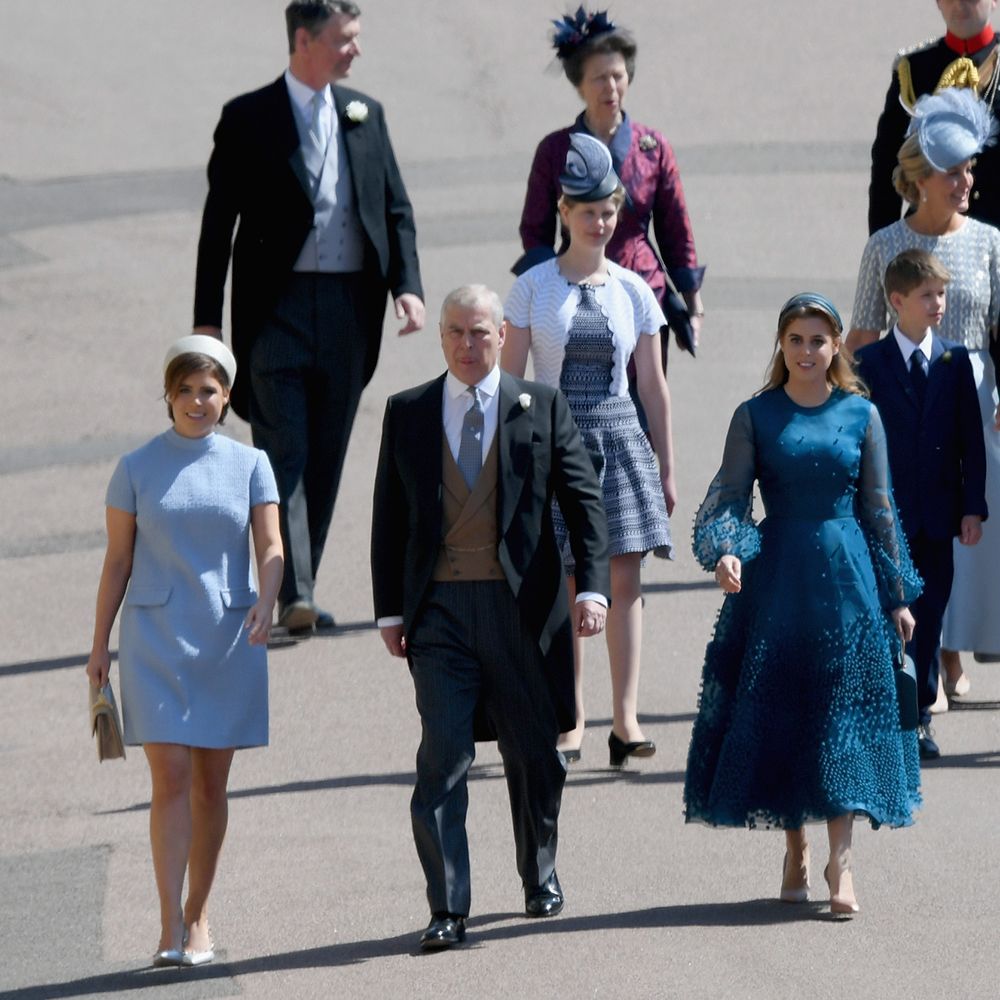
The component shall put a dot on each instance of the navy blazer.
(937, 455)
(256, 175)
(540, 453)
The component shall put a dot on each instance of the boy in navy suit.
(925, 392)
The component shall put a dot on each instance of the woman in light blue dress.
(798, 720)
(192, 646)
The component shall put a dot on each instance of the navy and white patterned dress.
(590, 332)
(972, 256)
(188, 674)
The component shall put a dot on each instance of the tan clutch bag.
(106, 723)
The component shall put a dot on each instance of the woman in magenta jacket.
(598, 58)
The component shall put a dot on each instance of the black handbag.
(906, 689)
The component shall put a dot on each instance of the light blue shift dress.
(188, 673)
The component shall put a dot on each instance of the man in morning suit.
(925, 393)
(965, 56)
(469, 588)
(325, 232)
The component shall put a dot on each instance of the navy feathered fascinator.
(572, 30)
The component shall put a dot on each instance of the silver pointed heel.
(199, 957)
(167, 957)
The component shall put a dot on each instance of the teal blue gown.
(797, 718)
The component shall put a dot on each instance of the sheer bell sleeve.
(898, 581)
(724, 523)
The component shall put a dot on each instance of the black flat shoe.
(571, 756)
(443, 931)
(544, 900)
(620, 749)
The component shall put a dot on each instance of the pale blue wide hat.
(589, 174)
(952, 126)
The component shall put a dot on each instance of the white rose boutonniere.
(356, 111)
(525, 400)
(646, 143)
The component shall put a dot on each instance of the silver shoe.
(168, 957)
(198, 957)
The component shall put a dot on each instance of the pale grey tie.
(470, 450)
(318, 129)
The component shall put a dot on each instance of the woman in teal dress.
(798, 720)
(181, 511)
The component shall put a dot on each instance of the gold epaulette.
(906, 94)
(901, 67)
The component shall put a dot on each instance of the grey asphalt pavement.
(106, 113)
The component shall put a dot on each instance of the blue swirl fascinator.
(589, 174)
(952, 126)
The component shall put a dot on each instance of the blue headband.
(812, 300)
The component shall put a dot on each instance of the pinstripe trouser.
(307, 367)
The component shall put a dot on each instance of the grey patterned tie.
(470, 450)
(318, 130)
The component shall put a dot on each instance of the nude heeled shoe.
(842, 905)
(795, 882)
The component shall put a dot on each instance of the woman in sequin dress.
(798, 720)
(970, 250)
(582, 318)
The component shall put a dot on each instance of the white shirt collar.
(907, 347)
(302, 95)
(490, 384)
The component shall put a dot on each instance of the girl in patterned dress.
(582, 317)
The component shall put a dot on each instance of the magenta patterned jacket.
(647, 168)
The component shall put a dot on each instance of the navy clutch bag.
(906, 689)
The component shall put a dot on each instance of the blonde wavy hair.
(840, 374)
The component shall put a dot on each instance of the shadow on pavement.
(988, 758)
(743, 913)
(406, 779)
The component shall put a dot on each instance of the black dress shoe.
(444, 930)
(620, 749)
(544, 900)
(324, 620)
(929, 750)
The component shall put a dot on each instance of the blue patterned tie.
(918, 375)
(470, 451)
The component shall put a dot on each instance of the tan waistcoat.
(468, 522)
